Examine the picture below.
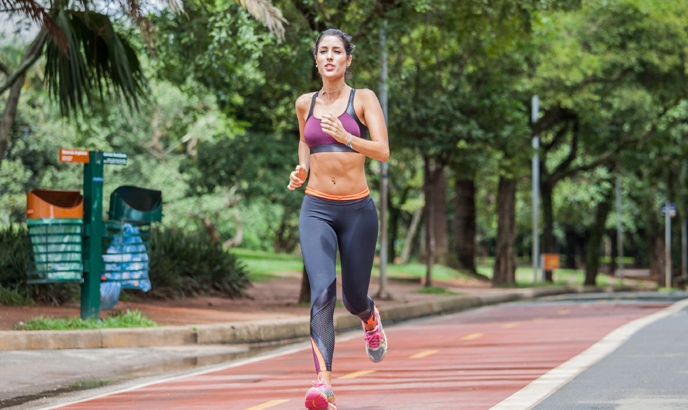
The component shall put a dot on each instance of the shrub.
(184, 264)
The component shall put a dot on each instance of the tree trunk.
(613, 251)
(571, 245)
(305, 294)
(238, 236)
(287, 234)
(656, 245)
(393, 222)
(211, 229)
(411, 235)
(9, 114)
(505, 257)
(594, 245)
(436, 191)
(431, 175)
(465, 224)
(548, 245)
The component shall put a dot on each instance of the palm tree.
(86, 58)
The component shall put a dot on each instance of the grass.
(266, 265)
(12, 297)
(263, 265)
(436, 291)
(130, 318)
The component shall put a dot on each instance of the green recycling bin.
(127, 236)
(55, 225)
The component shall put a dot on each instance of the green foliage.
(14, 297)
(436, 291)
(130, 318)
(266, 265)
(186, 264)
(14, 255)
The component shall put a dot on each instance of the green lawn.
(130, 318)
(265, 265)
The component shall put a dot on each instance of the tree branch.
(32, 55)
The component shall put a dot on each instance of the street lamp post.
(536, 191)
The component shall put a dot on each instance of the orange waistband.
(312, 192)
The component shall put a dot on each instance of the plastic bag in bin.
(126, 260)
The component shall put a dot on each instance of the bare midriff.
(337, 173)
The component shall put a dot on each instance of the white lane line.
(548, 383)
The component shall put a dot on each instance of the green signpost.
(93, 222)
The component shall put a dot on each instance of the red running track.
(472, 360)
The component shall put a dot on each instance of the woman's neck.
(332, 88)
(330, 93)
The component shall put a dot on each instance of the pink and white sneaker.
(376, 341)
(320, 397)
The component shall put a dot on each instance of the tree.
(87, 57)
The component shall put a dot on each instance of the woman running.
(339, 127)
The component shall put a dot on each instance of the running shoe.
(320, 397)
(376, 341)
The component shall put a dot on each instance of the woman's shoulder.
(304, 100)
(365, 94)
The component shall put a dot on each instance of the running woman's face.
(331, 57)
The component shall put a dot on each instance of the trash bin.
(55, 225)
(127, 237)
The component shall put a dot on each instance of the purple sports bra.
(316, 138)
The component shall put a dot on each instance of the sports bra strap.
(310, 110)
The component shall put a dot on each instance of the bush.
(181, 265)
(186, 264)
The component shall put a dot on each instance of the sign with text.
(115, 158)
(669, 207)
(550, 261)
(74, 155)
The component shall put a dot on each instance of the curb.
(255, 332)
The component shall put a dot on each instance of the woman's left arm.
(373, 117)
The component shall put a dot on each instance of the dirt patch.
(272, 299)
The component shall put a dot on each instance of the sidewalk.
(271, 314)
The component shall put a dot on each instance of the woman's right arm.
(300, 173)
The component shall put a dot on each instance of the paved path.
(471, 360)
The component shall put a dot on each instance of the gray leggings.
(325, 224)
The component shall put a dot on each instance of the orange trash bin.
(44, 203)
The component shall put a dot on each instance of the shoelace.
(319, 384)
(373, 338)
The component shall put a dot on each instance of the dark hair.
(346, 39)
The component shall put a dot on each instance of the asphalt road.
(558, 354)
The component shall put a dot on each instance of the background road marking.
(356, 374)
(510, 325)
(423, 354)
(472, 336)
(267, 405)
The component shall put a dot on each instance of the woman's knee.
(363, 309)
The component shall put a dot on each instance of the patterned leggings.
(325, 224)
